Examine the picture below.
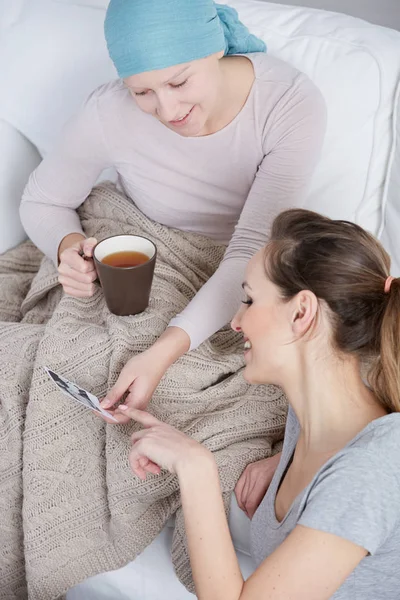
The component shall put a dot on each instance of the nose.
(167, 106)
(236, 321)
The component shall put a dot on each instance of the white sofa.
(52, 54)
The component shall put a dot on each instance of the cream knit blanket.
(69, 505)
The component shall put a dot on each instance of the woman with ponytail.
(321, 319)
(207, 132)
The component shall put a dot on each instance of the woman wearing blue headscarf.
(208, 133)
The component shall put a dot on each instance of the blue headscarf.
(144, 35)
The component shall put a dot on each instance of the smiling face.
(183, 97)
(273, 328)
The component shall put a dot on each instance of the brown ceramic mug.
(126, 288)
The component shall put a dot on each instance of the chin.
(249, 375)
(256, 376)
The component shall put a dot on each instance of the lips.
(183, 120)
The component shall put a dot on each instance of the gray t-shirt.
(355, 495)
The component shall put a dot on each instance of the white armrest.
(18, 158)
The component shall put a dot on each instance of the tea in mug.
(125, 258)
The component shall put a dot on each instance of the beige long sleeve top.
(228, 186)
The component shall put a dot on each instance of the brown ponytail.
(347, 268)
(384, 376)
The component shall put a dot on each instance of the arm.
(63, 181)
(309, 565)
(292, 148)
(339, 524)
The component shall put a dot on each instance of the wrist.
(171, 345)
(69, 240)
(197, 464)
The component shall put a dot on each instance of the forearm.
(215, 303)
(47, 224)
(216, 571)
(170, 346)
(68, 241)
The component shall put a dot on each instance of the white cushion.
(18, 158)
(150, 577)
(92, 3)
(51, 58)
(357, 67)
(55, 54)
(391, 225)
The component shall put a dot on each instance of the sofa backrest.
(54, 55)
(357, 67)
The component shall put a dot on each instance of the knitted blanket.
(70, 507)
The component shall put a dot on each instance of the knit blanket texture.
(70, 507)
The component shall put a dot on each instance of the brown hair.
(346, 267)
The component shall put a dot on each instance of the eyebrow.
(246, 285)
(178, 74)
(165, 82)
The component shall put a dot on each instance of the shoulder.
(286, 100)
(355, 495)
(271, 72)
(110, 97)
(371, 459)
(381, 439)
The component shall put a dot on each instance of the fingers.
(73, 288)
(137, 398)
(120, 418)
(141, 465)
(123, 382)
(149, 466)
(245, 493)
(138, 435)
(140, 416)
(252, 500)
(88, 246)
(136, 467)
(239, 490)
(72, 259)
(76, 274)
(67, 272)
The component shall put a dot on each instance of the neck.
(330, 400)
(237, 78)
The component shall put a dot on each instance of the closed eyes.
(173, 85)
(248, 301)
(178, 85)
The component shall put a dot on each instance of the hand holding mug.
(76, 271)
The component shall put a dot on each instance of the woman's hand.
(254, 482)
(75, 273)
(160, 446)
(142, 373)
(139, 377)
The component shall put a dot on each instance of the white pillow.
(92, 3)
(357, 67)
(51, 58)
(55, 54)
(390, 228)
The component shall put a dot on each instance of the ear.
(304, 310)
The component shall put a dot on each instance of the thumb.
(119, 388)
(88, 246)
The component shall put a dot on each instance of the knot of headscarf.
(145, 35)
